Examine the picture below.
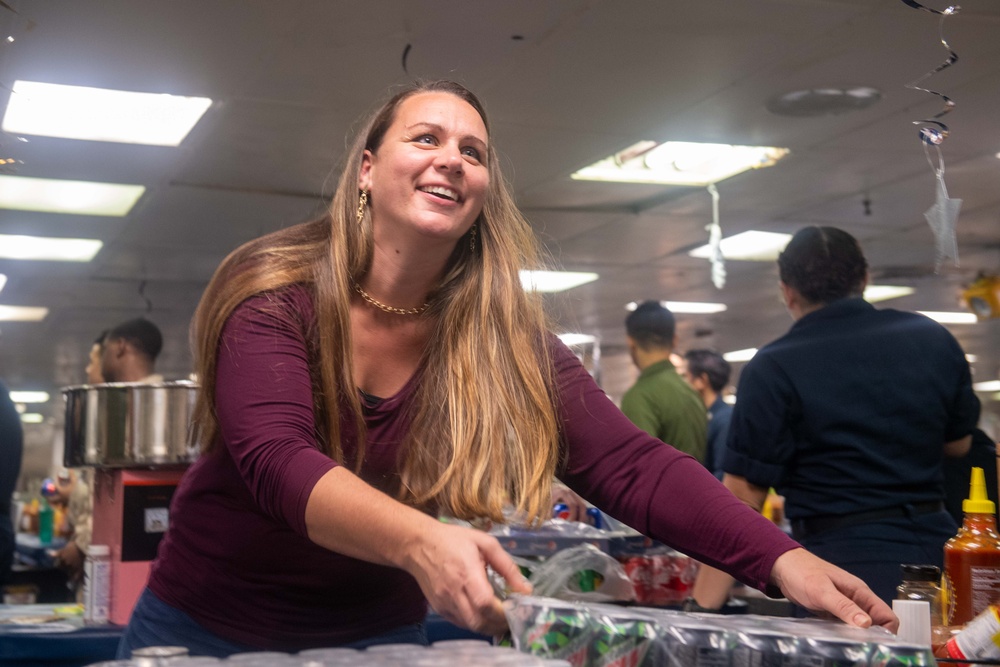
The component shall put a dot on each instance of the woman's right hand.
(449, 563)
(346, 515)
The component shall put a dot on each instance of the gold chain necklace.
(388, 309)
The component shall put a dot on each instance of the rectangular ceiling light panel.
(22, 313)
(950, 317)
(679, 163)
(875, 293)
(555, 281)
(42, 248)
(751, 246)
(692, 307)
(72, 197)
(29, 396)
(99, 114)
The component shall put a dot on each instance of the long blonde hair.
(484, 430)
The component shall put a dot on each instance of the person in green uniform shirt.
(661, 402)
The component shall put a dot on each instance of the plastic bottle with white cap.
(97, 585)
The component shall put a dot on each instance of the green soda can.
(902, 655)
(834, 652)
(625, 639)
(554, 629)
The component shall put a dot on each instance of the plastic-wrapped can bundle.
(833, 651)
(623, 638)
(696, 643)
(760, 647)
(902, 655)
(550, 628)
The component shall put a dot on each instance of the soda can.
(624, 639)
(834, 652)
(637, 569)
(902, 655)
(560, 511)
(692, 643)
(761, 647)
(549, 628)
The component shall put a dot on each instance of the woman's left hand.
(815, 584)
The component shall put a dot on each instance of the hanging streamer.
(933, 131)
(715, 242)
(943, 215)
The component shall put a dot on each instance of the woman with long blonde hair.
(368, 371)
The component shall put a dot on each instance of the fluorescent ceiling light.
(29, 396)
(695, 307)
(3, 281)
(992, 385)
(22, 313)
(32, 418)
(99, 114)
(752, 246)
(875, 293)
(971, 358)
(679, 163)
(48, 248)
(729, 399)
(73, 197)
(555, 281)
(950, 318)
(740, 355)
(577, 338)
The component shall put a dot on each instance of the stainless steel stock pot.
(130, 424)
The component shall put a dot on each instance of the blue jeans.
(155, 623)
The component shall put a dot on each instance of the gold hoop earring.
(362, 205)
(472, 238)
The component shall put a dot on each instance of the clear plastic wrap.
(600, 635)
(582, 573)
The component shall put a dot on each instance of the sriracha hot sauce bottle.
(972, 557)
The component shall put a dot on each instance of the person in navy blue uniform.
(849, 416)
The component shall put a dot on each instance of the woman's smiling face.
(429, 175)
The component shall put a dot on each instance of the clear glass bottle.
(920, 582)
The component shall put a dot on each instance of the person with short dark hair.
(708, 374)
(11, 450)
(129, 352)
(660, 402)
(848, 416)
(93, 369)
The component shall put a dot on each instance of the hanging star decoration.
(942, 217)
(715, 242)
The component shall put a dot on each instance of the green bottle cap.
(978, 502)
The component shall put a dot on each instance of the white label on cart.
(157, 519)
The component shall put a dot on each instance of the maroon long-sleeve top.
(237, 558)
